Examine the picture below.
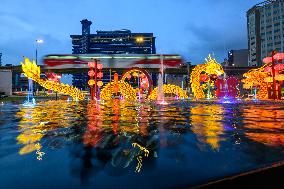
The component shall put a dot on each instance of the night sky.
(192, 28)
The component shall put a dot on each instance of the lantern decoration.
(100, 75)
(115, 77)
(135, 74)
(279, 77)
(95, 73)
(100, 83)
(267, 60)
(100, 66)
(278, 56)
(204, 78)
(91, 73)
(91, 64)
(210, 67)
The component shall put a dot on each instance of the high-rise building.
(109, 42)
(265, 27)
(112, 42)
(238, 58)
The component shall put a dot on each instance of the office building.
(238, 58)
(109, 42)
(112, 42)
(265, 27)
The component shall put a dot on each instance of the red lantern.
(100, 66)
(91, 73)
(100, 83)
(100, 74)
(279, 56)
(267, 60)
(204, 78)
(91, 64)
(115, 77)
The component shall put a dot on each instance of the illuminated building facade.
(112, 42)
(265, 27)
(109, 42)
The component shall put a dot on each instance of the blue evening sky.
(192, 28)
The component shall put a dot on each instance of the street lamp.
(38, 41)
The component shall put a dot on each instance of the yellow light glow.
(257, 78)
(168, 89)
(31, 70)
(210, 67)
(125, 89)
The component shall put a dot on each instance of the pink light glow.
(267, 60)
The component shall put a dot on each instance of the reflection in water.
(265, 125)
(44, 119)
(207, 124)
(118, 137)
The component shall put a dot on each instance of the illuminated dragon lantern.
(256, 78)
(211, 67)
(31, 70)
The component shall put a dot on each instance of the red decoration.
(128, 76)
(91, 73)
(116, 88)
(91, 64)
(115, 76)
(204, 78)
(267, 60)
(100, 66)
(100, 75)
(227, 87)
(279, 56)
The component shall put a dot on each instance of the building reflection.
(268, 129)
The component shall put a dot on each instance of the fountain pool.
(120, 144)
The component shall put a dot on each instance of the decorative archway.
(168, 89)
(115, 87)
(146, 80)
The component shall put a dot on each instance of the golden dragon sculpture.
(31, 70)
(255, 78)
(210, 67)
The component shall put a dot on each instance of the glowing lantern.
(91, 64)
(204, 78)
(279, 56)
(267, 60)
(115, 77)
(91, 82)
(279, 67)
(100, 66)
(100, 74)
(91, 73)
(100, 83)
